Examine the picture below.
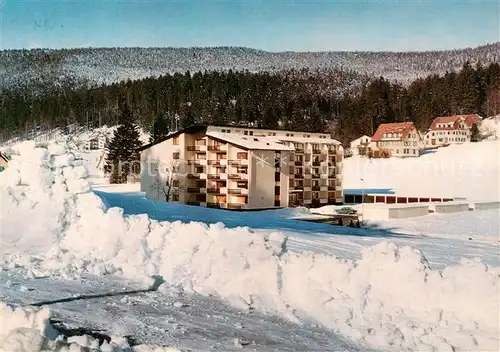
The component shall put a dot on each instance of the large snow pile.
(468, 170)
(29, 330)
(389, 299)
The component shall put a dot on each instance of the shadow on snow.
(135, 203)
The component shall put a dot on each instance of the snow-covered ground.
(394, 287)
(469, 170)
(490, 128)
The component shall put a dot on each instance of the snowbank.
(29, 330)
(490, 128)
(389, 299)
(468, 170)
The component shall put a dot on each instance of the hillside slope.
(46, 68)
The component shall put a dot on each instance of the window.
(228, 131)
(176, 156)
(176, 183)
(175, 197)
(245, 133)
(223, 131)
(242, 155)
(199, 169)
(175, 140)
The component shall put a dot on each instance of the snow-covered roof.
(305, 140)
(251, 142)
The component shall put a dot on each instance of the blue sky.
(275, 25)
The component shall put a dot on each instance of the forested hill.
(290, 100)
(45, 69)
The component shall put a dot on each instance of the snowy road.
(196, 323)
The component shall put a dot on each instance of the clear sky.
(274, 25)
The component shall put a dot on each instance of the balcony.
(214, 176)
(217, 148)
(193, 176)
(196, 148)
(194, 162)
(316, 175)
(316, 151)
(235, 206)
(299, 163)
(235, 191)
(316, 188)
(214, 190)
(316, 163)
(299, 176)
(213, 162)
(194, 190)
(239, 177)
(299, 150)
(216, 205)
(236, 162)
(299, 187)
(331, 187)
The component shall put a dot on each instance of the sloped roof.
(471, 119)
(399, 127)
(4, 157)
(455, 119)
(250, 142)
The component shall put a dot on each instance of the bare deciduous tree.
(169, 181)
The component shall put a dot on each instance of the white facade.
(96, 143)
(402, 146)
(447, 130)
(361, 142)
(244, 168)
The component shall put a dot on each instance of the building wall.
(411, 146)
(439, 138)
(260, 192)
(3, 164)
(154, 164)
(261, 182)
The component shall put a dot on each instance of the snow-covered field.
(469, 170)
(400, 286)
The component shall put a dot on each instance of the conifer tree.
(474, 133)
(159, 129)
(123, 154)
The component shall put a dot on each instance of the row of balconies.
(302, 150)
(217, 190)
(219, 162)
(210, 148)
(220, 176)
(218, 205)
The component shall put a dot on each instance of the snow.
(389, 297)
(490, 128)
(251, 142)
(29, 330)
(468, 170)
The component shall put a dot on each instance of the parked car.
(346, 211)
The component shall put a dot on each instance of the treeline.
(295, 100)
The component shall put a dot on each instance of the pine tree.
(474, 133)
(159, 129)
(123, 155)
